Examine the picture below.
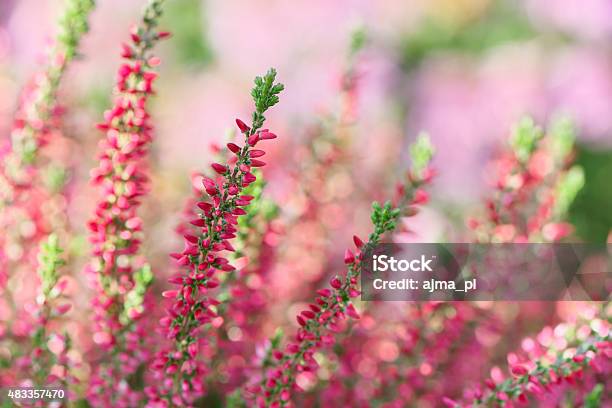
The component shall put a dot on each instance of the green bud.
(567, 189)
(421, 153)
(525, 138)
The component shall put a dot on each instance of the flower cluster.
(573, 355)
(204, 254)
(535, 166)
(121, 277)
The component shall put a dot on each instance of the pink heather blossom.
(115, 230)
(204, 256)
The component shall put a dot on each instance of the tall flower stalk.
(36, 123)
(50, 349)
(178, 365)
(121, 276)
(332, 305)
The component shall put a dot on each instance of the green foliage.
(593, 398)
(50, 260)
(359, 39)
(502, 23)
(189, 38)
(563, 135)
(259, 209)
(265, 95)
(55, 177)
(421, 153)
(384, 218)
(143, 278)
(591, 212)
(73, 24)
(525, 138)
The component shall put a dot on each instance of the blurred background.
(463, 71)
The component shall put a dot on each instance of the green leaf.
(593, 399)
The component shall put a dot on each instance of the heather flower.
(328, 312)
(179, 366)
(36, 123)
(121, 277)
(534, 186)
(556, 360)
(244, 305)
(49, 348)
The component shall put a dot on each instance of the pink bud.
(192, 349)
(267, 135)
(219, 168)
(64, 308)
(170, 294)
(253, 139)
(335, 283)
(324, 292)
(204, 206)
(257, 163)
(518, 370)
(233, 147)
(256, 153)
(349, 258)
(358, 242)
(420, 197)
(242, 126)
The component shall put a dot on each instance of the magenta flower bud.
(358, 242)
(308, 314)
(253, 139)
(204, 206)
(192, 349)
(234, 148)
(324, 292)
(420, 197)
(219, 168)
(191, 238)
(198, 222)
(256, 153)
(249, 178)
(335, 283)
(63, 309)
(257, 163)
(267, 135)
(349, 258)
(170, 294)
(518, 370)
(242, 126)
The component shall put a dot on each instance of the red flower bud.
(518, 370)
(233, 147)
(219, 168)
(349, 258)
(242, 126)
